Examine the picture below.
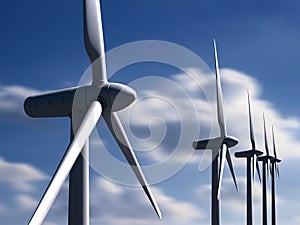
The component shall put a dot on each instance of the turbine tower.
(250, 155)
(265, 163)
(274, 169)
(220, 147)
(84, 105)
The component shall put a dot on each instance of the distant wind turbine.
(100, 98)
(265, 162)
(250, 155)
(220, 147)
(274, 171)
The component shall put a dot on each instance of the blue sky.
(41, 48)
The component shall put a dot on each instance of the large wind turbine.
(265, 163)
(274, 170)
(250, 155)
(220, 147)
(92, 101)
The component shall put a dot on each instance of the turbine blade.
(272, 173)
(275, 153)
(221, 168)
(84, 130)
(271, 168)
(268, 168)
(114, 124)
(229, 161)
(258, 170)
(254, 165)
(274, 146)
(251, 125)
(221, 119)
(266, 138)
(93, 39)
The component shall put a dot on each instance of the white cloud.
(117, 204)
(20, 176)
(19, 184)
(164, 100)
(108, 186)
(129, 205)
(12, 99)
(26, 202)
(286, 128)
(237, 200)
(170, 114)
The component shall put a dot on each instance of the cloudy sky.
(41, 49)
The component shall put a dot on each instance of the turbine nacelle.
(265, 158)
(112, 96)
(215, 143)
(274, 160)
(248, 153)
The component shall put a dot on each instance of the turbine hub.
(120, 96)
(230, 141)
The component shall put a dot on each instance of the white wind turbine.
(265, 165)
(250, 155)
(220, 147)
(99, 98)
(274, 170)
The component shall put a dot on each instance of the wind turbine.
(250, 155)
(99, 98)
(274, 169)
(265, 162)
(220, 147)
